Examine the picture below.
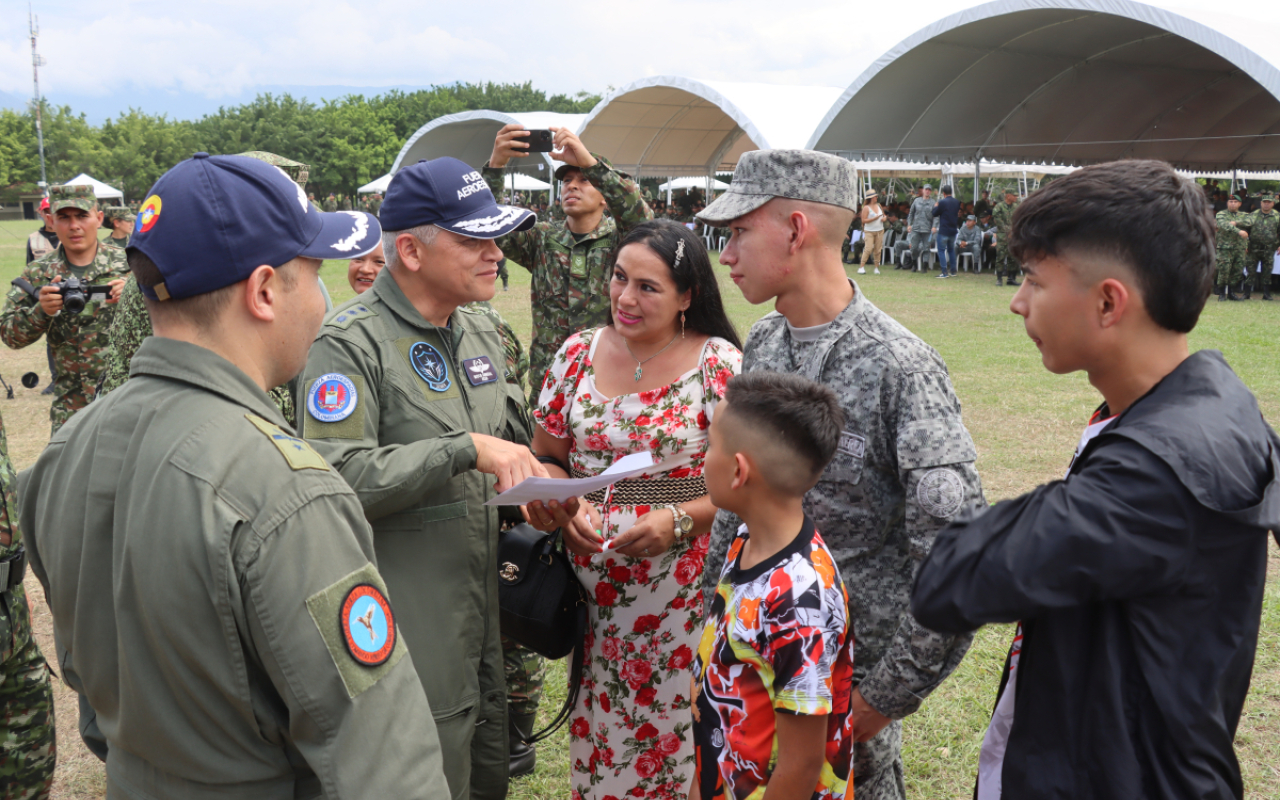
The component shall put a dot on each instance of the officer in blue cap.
(212, 579)
(404, 394)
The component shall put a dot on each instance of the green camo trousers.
(524, 671)
(28, 747)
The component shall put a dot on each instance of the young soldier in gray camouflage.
(904, 466)
(79, 341)
(26, 696)
(569, 260)
(920, 225)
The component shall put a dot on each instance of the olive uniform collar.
(171, 359)
(393, 297)
(607, 227)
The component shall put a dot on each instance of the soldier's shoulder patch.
(296, 452)
(343, 317)
(358, 627)
(940, 492)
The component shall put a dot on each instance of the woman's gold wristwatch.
(684, 522)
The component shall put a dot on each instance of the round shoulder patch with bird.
(368, 625)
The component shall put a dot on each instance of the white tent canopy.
(664, 126)
(469, 136)
(378, 185)
(100, 189)
(1069, 82)
(991, 170)
(692, 183)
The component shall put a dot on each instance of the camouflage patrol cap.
(67, 196)
(118, 212)
(1267, 197)
(297, 171)
(762, 175)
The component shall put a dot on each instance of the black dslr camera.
(75, 295)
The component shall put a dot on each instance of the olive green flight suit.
(196, 557)
(407, 452)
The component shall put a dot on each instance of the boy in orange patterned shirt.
(774, 671)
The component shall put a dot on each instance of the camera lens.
(73, 302)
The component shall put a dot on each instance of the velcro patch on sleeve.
(295, 451)
(335, 407)
(344, 318)
(358, 626)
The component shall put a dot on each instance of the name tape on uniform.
(480, 370)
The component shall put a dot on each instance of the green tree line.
(347, 142)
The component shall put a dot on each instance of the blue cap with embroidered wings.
(212, 220)
(452, 195)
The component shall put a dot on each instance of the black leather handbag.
(542, 604)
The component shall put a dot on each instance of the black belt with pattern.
(652, 492)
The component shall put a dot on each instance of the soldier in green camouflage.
(79, 341)
(570, 260)
(26, 695)
(344, 203)
(1264, 238)
(1233, 245)
(375, 204)
(1006, 265)
(120, 219)
(331, 203)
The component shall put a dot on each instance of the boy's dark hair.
(1140, 212)
(946, 190)
(793, 414)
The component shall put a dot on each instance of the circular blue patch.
(430, 366)
(368, 625)
(331, 398)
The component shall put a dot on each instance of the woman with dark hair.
(647, 382)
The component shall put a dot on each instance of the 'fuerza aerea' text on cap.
(449, 194)
(212, 220)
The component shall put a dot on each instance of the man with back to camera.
(78, 341)
(260, 657)
(946, 212)
(1138, 579)
(403, 393)
(904, 466)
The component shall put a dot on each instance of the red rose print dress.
(630, 733)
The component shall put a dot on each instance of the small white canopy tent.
(378, 185)
(100, 189)
(518, 181)
(692, 183)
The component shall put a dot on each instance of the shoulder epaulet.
(342, 318)
(295, 451)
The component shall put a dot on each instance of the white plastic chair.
(887, 252)
(965, 260)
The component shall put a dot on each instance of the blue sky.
(187, 57)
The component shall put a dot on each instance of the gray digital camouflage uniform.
(920, 223)
(904, 468)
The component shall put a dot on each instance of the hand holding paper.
(561, 489)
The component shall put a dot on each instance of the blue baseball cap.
(212, 220)
(449, 194)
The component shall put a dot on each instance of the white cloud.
(223, 47)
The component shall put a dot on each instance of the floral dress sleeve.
(561, 383)
(720, 363)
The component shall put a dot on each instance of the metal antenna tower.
(37, 61)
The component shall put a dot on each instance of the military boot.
(522, 758)
(1231, 294)
(1222, 293)
(1248, 290)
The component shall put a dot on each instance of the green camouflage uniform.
(1006, 265)
(570, 286)
(1232, 247)
(79, 341)
(114, 213)
(344, 204)
(375, 204)
(26, 696)
(330, 204)
(1264, 237)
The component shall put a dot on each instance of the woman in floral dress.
(648, 382)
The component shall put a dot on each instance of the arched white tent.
(692, 183)
(668, 125)
(378, 185)
(468, 137)
(100, 189)
(1070, 82)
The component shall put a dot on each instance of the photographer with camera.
(77, 332)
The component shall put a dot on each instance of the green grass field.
(1024, 421)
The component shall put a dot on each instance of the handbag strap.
(577, 667)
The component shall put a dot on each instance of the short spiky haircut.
(1141, 213)
(796, 419)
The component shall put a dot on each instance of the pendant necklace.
(640, 364)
